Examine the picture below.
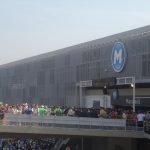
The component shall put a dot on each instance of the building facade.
(57, 78)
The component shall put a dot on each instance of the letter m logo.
(117, 56)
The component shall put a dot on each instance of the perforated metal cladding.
(51, 78)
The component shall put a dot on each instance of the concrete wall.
(115, 144)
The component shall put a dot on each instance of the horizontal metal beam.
(36, 131)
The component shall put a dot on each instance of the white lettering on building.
(117, 56)
(128, 101)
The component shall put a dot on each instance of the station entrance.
(96, 93)
(108, 93)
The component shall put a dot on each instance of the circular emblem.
(118, 56)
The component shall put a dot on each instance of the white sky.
(32, 27)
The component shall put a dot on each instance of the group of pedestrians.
(131, 117)
(45, 110)
(27, 144)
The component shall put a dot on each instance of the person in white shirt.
(140, 119)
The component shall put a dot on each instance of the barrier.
(63, 121)
(72, 122)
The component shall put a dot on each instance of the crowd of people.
(44, 110)
(51, 143)
(27, 144)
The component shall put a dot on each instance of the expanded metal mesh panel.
(51, 78)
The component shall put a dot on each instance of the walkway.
(67, 126)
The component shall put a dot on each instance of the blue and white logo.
(118, 56)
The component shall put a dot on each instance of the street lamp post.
(133, 82)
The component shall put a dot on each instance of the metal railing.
(71, 122)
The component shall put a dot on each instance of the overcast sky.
(32, 27)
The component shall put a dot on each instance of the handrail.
(69, 122)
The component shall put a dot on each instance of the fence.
(70, 122)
